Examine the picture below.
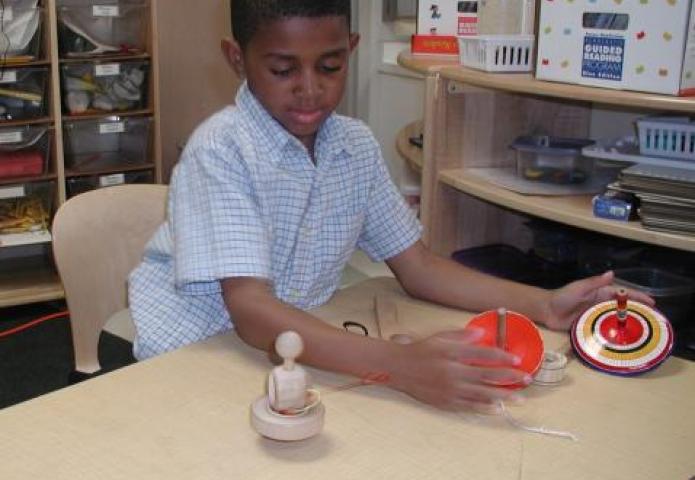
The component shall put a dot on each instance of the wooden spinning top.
(622, 337)
(284, 413)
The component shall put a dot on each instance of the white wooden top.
(185, 415)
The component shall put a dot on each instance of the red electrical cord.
(31, 323)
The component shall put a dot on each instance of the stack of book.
(666, 194)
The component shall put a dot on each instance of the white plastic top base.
(276, 426)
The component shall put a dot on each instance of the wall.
(195, 80)
(386, 96)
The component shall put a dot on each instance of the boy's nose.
(309, 86)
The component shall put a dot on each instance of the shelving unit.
(470, 119)
(28, 278)
(411, 153)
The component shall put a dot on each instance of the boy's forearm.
(446, 282)
(259, 318)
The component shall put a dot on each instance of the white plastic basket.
(498, 53)
(667, 137)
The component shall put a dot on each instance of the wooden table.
(185, 415)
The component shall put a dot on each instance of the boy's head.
(294, 55)
(250, 15)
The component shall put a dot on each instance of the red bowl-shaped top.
(522, 339)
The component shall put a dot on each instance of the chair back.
(98, 238)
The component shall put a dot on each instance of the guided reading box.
(447, 17)
(644, 45)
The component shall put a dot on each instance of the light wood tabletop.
(185, 415)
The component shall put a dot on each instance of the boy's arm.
(444, 281)
(434, 370)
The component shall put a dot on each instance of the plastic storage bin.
(509, 262)
(104, 87)
(21, 31)
(26, 207)
(23, 93)
(107, 143)
(77, 185)
(552, 160)
(107, 28)
(497, 53)
(667, 137)
(673, 293)
(23, 151)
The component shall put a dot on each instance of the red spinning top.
(622, 336)
(512, 332)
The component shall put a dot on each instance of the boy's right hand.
(448, 371)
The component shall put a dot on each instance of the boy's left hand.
(569, 302)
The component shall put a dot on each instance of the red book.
(434, 44)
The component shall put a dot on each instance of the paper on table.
(507, 178)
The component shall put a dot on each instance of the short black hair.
(249, 15)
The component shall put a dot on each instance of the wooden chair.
(98, 238)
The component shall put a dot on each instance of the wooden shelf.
(425, 64)
(110, 170)
(410, 153)
(28, 283)
(570, 210)
(115, 58)
(526, 83)
(98, 115)
(35, 178)
(21, 123)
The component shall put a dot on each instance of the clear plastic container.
(673, 293)
(23, 93)
(107, 27)
(553, 160)
(23, 151)
(107, 143)
(104, 87)
(26, 207)
(21, 31)
(77, 185)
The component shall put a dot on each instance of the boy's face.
(297, 68)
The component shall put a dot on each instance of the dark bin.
(673, 293)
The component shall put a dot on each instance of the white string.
(540, 430)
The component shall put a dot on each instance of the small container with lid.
(552, 159)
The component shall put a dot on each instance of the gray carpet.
(40, 360)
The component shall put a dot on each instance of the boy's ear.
(354, 41)
(232, 53)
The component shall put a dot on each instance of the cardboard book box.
(642, 45)
(447, 17)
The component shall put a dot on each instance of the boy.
(270, 199)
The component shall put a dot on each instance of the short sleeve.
(390, 226)
(217, 226)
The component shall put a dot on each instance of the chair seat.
(121, 324)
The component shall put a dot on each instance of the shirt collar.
(331, 136)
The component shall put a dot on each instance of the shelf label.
(107, 69)
(8, 76)
(114, 127)
(25, 238)
(15, 191)
(105, 11)
(11, 137)
(8, 15)
(111, 180)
